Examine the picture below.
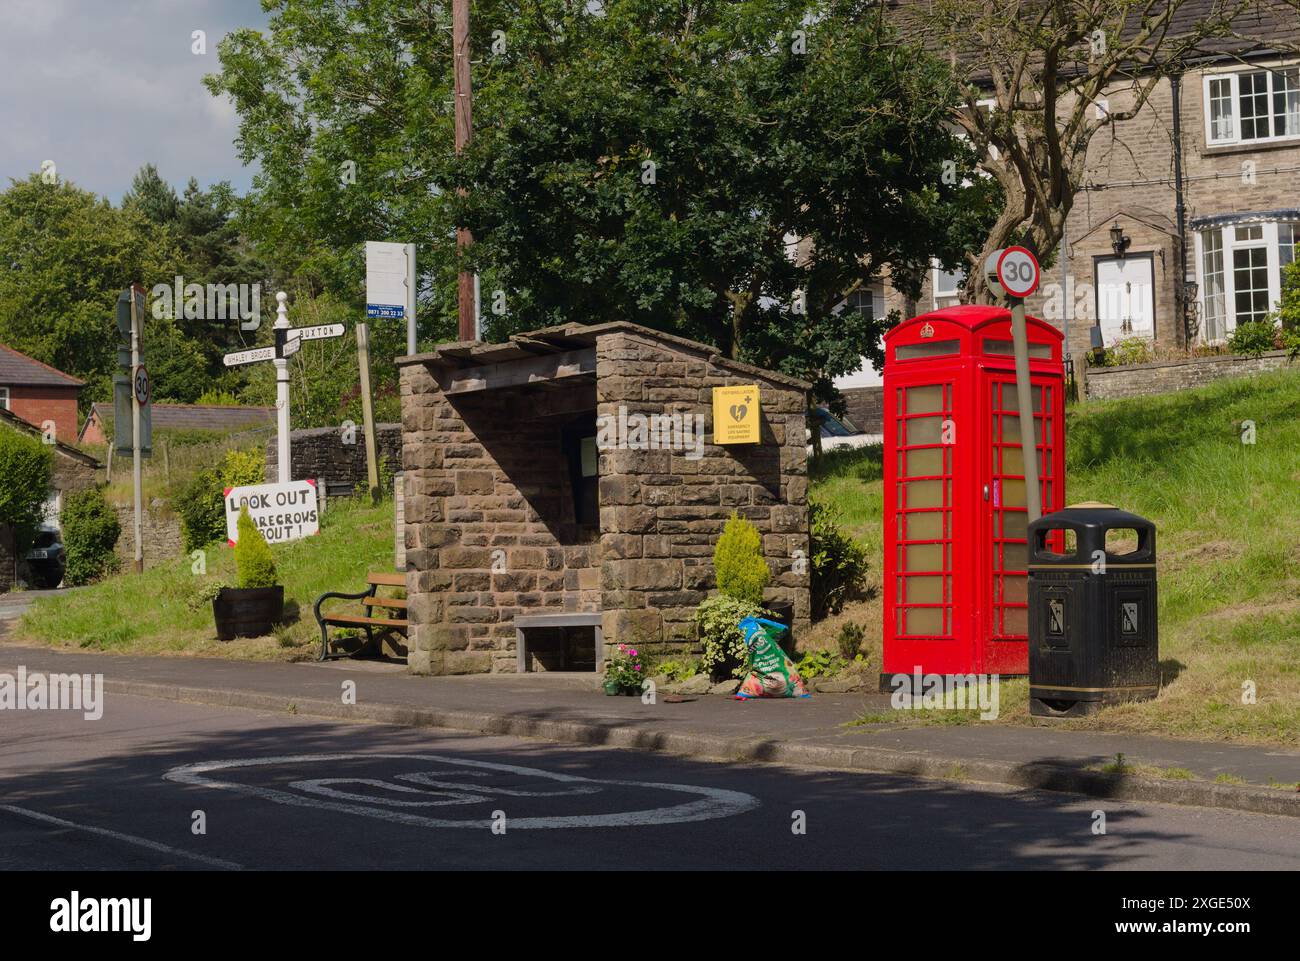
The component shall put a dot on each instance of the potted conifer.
(250, 609)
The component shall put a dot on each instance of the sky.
(102, 87)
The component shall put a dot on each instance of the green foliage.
(750, 139)
(839, 563)
(90, 532)
(814, 664)
(626, 668)
(203, 594)
(217, 398)
(254, 565)
(1130, 350)
(678, 670)
(25, 465)
(1288, 311)
(1253, 339)
(200, 503)
(717, 620)
(738, 561)
(849, 641)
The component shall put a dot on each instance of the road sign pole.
(136, 321)
(1028, 437)
(367, 409)
(410, 299)
(282, 395)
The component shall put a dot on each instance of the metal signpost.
(1013, 272)
(288, 341)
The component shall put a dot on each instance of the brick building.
(573, 470)
(38, 393)
(1238, 123)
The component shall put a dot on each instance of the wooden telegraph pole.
(464, 101)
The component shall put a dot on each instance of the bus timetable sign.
(282, 512)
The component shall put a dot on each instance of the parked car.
(46, 559)
(840, 432)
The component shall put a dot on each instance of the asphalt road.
(129, 791)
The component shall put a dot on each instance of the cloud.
(104, 88)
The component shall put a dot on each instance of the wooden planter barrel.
(247, 611)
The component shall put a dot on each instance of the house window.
(1212, 272)
(864, 301)
(1253, 106)
(4, 398)
(1239, 270)
(947, 287)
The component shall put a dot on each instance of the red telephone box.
(956, 585)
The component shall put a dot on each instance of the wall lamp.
(1118, 242)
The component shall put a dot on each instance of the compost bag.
(771, 673)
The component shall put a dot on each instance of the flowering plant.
(626, 669)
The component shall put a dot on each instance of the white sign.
(1012, 271)
(319, 332)
(249, 356)
(282, 512)
(291, 347)
(385, 279)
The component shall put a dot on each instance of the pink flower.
(632, 652)
(622, 647)
(636, 667)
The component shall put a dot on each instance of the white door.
(1125, 298)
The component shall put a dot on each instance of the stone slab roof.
(196, 416)
(66, 450)
(553, 340)
(19, 369)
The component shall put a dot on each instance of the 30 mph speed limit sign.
(1012, 271)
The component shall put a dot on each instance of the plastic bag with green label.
(771, 673)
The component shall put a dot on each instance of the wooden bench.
(568, 619)
(370, 600)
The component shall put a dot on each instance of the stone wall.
(1137, 380)
(8, 559)
(661, 511)
(490, 528)
(325, 452)
(866, 408)
(160, 534)
(489, 508)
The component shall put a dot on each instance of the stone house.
(575, 470)
(1205, 220)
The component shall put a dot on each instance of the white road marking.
(119, 836)
(712, 802)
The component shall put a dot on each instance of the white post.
(410, 298)
(282, 394)
(136, 321)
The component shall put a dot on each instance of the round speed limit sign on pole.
(1012, 272)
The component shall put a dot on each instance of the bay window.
(1239, 268)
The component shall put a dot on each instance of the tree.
(724, 171)
(152, 196)
(69, 254)
(1033, 70)
(25, 465)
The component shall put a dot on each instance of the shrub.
(201, 505)
(25, 465)
(717, 619)
(1130, 350)
(1288, 311)
(850, 640)
(839, 563)
(626, 669)
(90, 533)
(254, 565)
(738, 561)
(1252, 339)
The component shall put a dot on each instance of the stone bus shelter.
(569, 478)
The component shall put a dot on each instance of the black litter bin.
(1092, 612)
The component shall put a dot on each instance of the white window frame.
(4, 398)
(1234, 99)
(1228, 234)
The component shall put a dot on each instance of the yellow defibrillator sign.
(735, 415)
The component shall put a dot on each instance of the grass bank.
(161, 611)
(1228, 543)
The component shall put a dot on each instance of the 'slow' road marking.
(119, 836)
(712, 802)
